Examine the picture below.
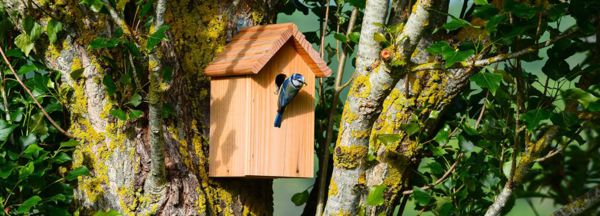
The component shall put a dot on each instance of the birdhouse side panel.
(229, 126)
(285, 151)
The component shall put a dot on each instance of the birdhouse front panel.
(290, 147)
(262, 104)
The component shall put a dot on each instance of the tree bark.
(118, 152)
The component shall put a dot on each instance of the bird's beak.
(304, 83)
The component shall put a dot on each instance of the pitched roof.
(251, 49)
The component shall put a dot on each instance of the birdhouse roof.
(251, 49)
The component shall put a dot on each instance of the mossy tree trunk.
(118, 152)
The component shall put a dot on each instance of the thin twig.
(37, 103)
(440, 180)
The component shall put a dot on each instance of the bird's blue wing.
(286, 93)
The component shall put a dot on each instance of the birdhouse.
(244, 102)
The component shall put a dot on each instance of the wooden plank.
(229, 131)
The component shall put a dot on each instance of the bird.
(287, 89)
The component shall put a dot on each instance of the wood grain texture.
(251, 49)
(243, 140)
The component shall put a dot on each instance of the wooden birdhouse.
(243, 105)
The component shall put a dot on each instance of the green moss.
(349, 157)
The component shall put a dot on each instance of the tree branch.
(440, 180)
(580, 204)
(325, 157)
(532, 152)
(498, 58)
(37, 103)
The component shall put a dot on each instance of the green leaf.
(69, 144)
(375, 197)
(52, 30)
(94, 5)
(61, 158)
(556, 68)
(111, 212)
(79, 171)
(358, 3)
(440, 47)
(28, 204)
(5, 130)
(388, 138)
(494, 21)
(341, 37)
(156, 37)
(421, 197)
(457, 56)
(135, 114)
(76, 74)
(110, 85)
(300, 198)
(581, 96)
(100, 43)
(410, 128)
(35, 32)
(354, 37)
(379, 37)
(434, 114)
(442, 135)
(32, 151)
(486, 80)
(118, 113)
(6, 170)
(533, 118)
(480, 2)
(25, 171)
(135, 100)
(455, 24)
(24, 43)
(27, 68)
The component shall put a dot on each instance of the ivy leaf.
(24, 43)
(32, 151)
(52, 30)
(421, 197)
(300, 198)
(28, 204)
(5, 130)
(27, 68)
(354, 37)
(455, 24)
(556, 68)
(6, 171)
(79, 171)
(35, 32)
(340, 37)
(486, 80)
(375, 197)
(25, 171)
(442, 135)
(61, 158)
(533, 118)
(135, 100)
(156, 37)
(119, 113)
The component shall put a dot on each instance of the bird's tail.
(278, 119)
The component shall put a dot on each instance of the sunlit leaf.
(375, 196)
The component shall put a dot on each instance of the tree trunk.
(118, 152)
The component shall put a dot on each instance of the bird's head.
(298, 80)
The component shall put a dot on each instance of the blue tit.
(287, 89)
